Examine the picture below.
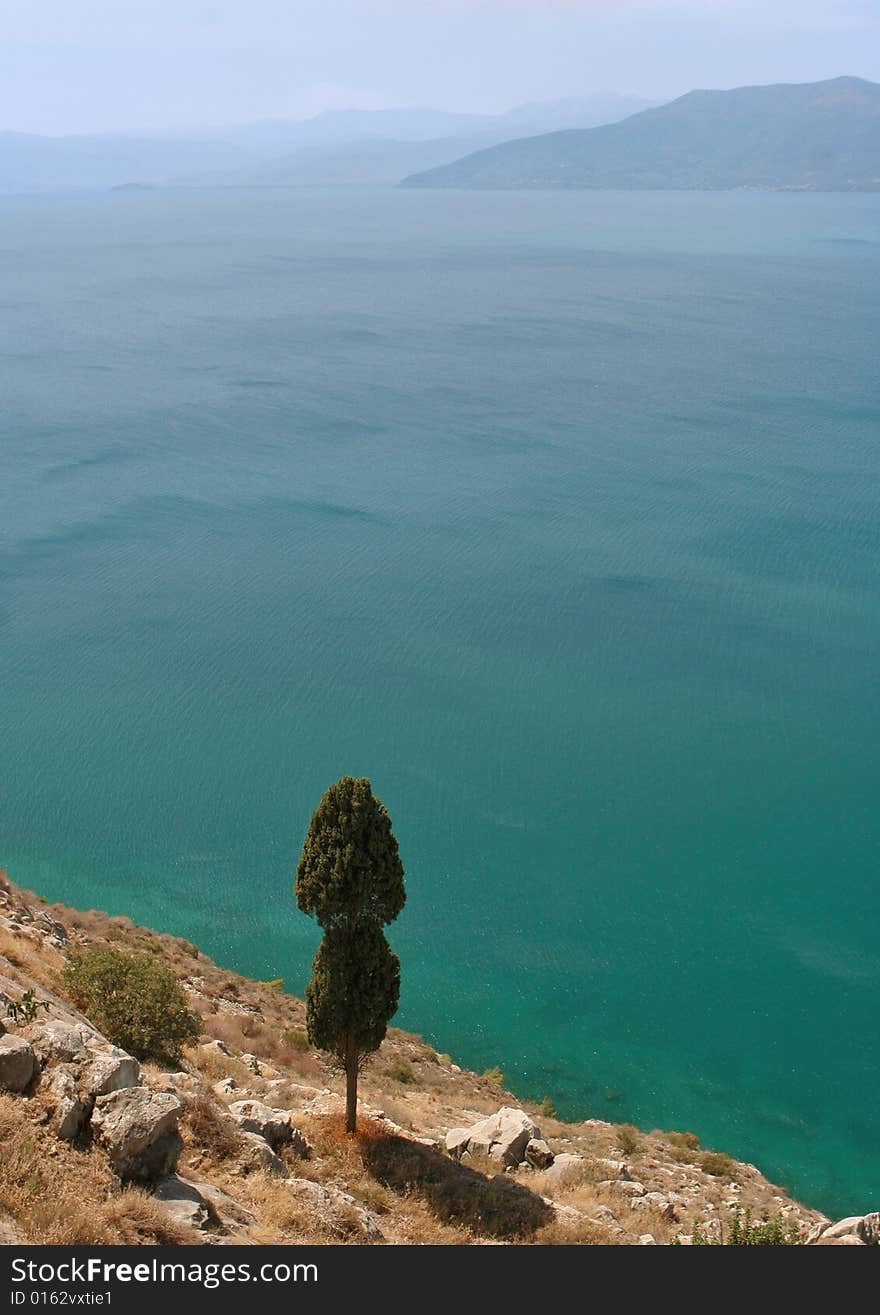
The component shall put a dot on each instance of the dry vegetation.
(414, 1191)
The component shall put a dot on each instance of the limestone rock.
(184, 1202)
(225, 1087)
(272, 1124)
(564, 1165)
(70, 1113)
(336, 1209)
(503, 1136)
(18, 1063)
(109, 1071)
(56, 1039)
(258, 1154)
(538, 1154)
(138, 1129)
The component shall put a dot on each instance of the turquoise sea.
(556, 515)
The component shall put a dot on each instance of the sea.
(557, 515)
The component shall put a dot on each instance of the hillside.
(242, 1141)
(822, 136)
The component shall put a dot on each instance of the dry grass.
(62, 1197)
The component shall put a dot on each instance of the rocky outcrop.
(273, 1125)
(857, 1230)
(339, 1212)
(18, 1063)
(184, 1202)
(503, 1136)
(138, 1129)
(69, 1112)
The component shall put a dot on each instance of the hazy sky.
(85, 65)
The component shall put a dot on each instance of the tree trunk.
(351, 1087)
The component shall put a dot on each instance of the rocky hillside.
(243, 1143)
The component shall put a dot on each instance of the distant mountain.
(340, 146)
(822, 136)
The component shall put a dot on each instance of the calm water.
(557, 516)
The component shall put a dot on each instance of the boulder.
(258, 1154)
(109, 1071)
(457, 1141)
(538, 1154)
(870, 1229)
(56, 1039)
(338, 1211)
(18, 1063)
(69, 1112)
(138, 1129)
(225, 1087)
(564, 1166)
(503, 1136)
(184, 1202)
(273, 1125)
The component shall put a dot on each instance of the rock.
(18, 1063)
(563, 1166)
(233, 1216)
(602, 1215)
(625, 1186)
(457, 1141)
(291, 1095)
(215, 1048)
(56, 1039)
(184, 1202)
(225, 1087)
(273, 1125)
(9, 1236)
(258, 1154)
(855, 1230)
(138, 1129)
(613, 1168)
(503, 1136)
(70, 1113)
(538, 1154)
(654, 1201)
(647, 1240)
(337, 1210)
(111, 1071)
(870, 1229)
(259, 1066)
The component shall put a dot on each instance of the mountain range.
(339, 146)
(822, 136)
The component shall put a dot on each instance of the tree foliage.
(350, 878)
(353, 992)
(350, 868)
(136, 1002)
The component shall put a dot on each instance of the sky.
(152, 66)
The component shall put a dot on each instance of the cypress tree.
(350, 878)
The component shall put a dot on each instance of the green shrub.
(628, 1138)
(769, 1231)
(136, 1002)
(717, 1164)
(401, 1072)
(685, 1141)
(495, 1075)
(296, 1038)
(25, 1009)
(547, 1108)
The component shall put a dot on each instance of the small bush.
(717, 1164)
(547, 1108)
(685, 1141)
(495, 1075)
(767, 1232)
(628, 1138)
(401, 1072)
(137, 1003)
(297, 1038)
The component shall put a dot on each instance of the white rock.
(110, 1071)
(18, 1063)
(184, 1202)
(502, 1136)
(70, 1113)
(272, 1124)
(138, 1129)
(538, 1154)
